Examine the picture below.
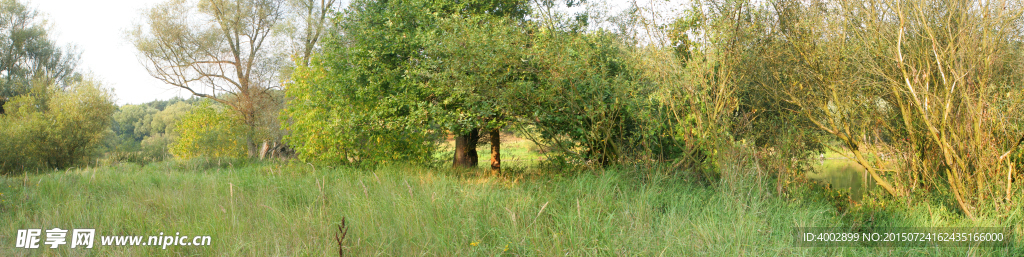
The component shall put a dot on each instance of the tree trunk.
(465, 149)
(495, 152)
(264, 149)
(251, 149)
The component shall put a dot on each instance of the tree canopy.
(27, 53)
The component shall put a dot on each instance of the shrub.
(52, 127)
(208, 131)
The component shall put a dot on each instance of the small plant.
(340, 237)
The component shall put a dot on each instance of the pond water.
(843, 174)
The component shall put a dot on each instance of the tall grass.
(273, 209)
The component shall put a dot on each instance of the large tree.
(49, 116)
(398, 73)
(230, 51)
(474, 61)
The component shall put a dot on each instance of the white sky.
(97, 29)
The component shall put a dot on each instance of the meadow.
(668, 128)
(252, 208)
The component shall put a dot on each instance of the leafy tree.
(597, 98)
(586, 95)
(229, 51)
(27, 53)
(475, 61)
(129, 120)
(53, 127)
(162, 122)
(391, 79)
(49, 116)
(919, 93)
(144, 132)
(207, 131)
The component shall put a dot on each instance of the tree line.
(925, 95)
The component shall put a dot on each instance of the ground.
(288, 209)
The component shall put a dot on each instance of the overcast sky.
(97, 29)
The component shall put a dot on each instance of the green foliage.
(207, 131)
(410, 71)
(343, 107)
(27, 52)
(325, 127)
(129, 121)
(470, 69)
(586, 98)
(49, 116)
(162, 122)
(54, 128)
(143, 132)
(680, 31)
(920, 93)
(599, 99)
(392, 81)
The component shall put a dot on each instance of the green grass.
(516, 152)
(271, 209)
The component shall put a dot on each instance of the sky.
(97, 29)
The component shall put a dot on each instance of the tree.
(949, 88)
(308, 24)
(919, 93)
(475, 61)
(144, 132)
(129, 120)
(392, 72)
(54, 127)
(229, 51)
(49, 116)
(27, 53)
(207, 131)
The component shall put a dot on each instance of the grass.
(516, 152)
(275, 209)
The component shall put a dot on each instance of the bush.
(593, 114)
(52, 127)
(143, 132)
(208, 131)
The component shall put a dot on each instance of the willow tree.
(28, 53)
(918, 92)
(308, 22)
(217, 49)
(952, 82)
(230, 51)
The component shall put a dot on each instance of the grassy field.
(275, 209)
